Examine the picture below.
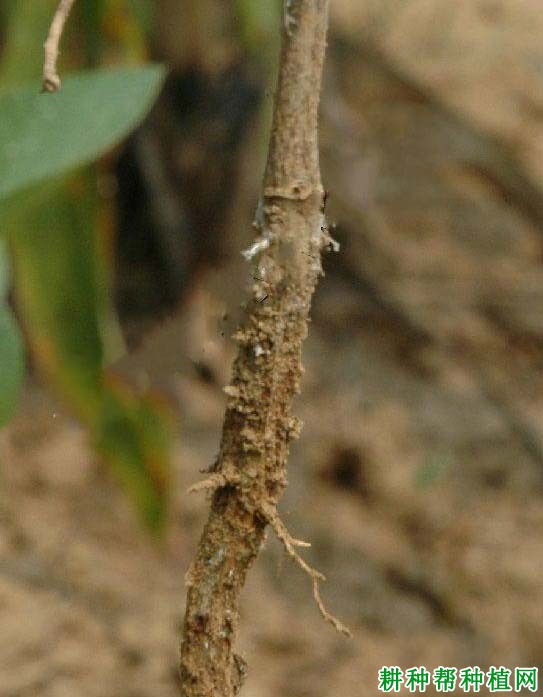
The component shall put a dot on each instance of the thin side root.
(300, 543)
(51, 80)
(290, 544)
(336, 624)
(216, 481)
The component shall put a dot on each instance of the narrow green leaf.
(4, 272)
(54, 251)
(45, 135)
(257, 23)
(11, 349)
(12, 362)
(143, 11)
(59, 292)
(133, 435)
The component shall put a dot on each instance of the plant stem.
(249, 475)
(51, 80)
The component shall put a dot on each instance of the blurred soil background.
(419, 474)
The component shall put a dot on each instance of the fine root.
(290, 544)
(217, 480)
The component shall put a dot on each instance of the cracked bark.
(249, 475)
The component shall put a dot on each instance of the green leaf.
(60, 295)
(52, 221)
(133, 435)
(11, 349)
(143, 11)
(54, 252)
(12, 362)
(257, 24)
(4, 272)
(46, 135)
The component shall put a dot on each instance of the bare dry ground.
(418, 477)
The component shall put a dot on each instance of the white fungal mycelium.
(257, 247)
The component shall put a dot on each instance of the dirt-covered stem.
(249, 475)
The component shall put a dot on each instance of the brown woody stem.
(250, 473)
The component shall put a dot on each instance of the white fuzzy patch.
(257, 247)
